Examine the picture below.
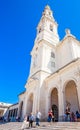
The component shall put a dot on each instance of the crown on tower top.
(47, 7)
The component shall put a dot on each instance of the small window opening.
(39, 30)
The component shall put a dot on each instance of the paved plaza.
(43, 126)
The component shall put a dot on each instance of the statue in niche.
(68, 105)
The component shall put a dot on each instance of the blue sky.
(18, 22)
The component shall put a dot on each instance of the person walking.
(31, 119)
(38, 116)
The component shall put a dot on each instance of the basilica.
(54, 78)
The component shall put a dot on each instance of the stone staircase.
(43, 126)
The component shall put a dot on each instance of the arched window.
(52, 59)
(52, 55)
(51, 28)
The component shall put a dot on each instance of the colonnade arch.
(30, 104)
(54, 103)
(71, 96)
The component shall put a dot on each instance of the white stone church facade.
(54, 79)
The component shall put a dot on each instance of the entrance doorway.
(54, 103)
(55, 112)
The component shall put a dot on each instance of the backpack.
(31, 118)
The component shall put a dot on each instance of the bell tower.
(47, 28)
(43, 59)
(44, 50)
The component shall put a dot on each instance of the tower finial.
(48, 12)
(47, 7)
(68, 33)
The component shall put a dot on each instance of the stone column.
(15, 111)
(48, 104)
(61, 104)
(36, 97)
(25, 107)
(19, 109)
(12, 112)
(35, 103)
(78, 92)
(77, 77)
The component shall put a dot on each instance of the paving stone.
(43, 126)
